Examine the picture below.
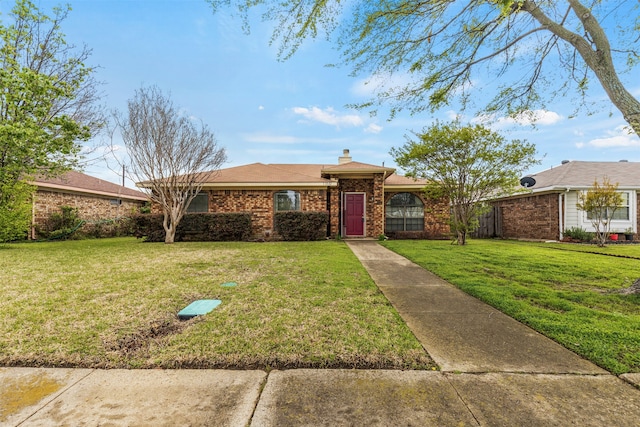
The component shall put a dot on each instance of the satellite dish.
(527, 182)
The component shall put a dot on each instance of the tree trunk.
(169, 225)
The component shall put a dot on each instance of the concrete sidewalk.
(495, 372)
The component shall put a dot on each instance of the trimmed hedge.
(196, 227)
(296, 225)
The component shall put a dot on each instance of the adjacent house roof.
(581, 175)
(77, 182)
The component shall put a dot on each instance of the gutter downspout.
(562, 211)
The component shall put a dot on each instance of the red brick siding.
(91, 208)
(531, 217)
(260, 203)
(436, 214)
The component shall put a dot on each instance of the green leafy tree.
(171, 156)
(48, 99)
(467, 164)
(600, 203)
(15, 210)
(440, 46)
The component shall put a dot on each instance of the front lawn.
(114, 303)
(560, 290)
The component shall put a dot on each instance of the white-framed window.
(623, 218)
(286, 200)
(199, 204)
(404, 212)
(620, 213)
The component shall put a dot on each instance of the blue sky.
(263, 110)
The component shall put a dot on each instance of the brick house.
(95, 199)
(363, 200)
(548, 207)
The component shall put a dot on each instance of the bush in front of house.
(578, 234)
(196, 227)
(296, 225)
(61, 225)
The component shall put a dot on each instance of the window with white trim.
(287, 200)
(404, 212)
(620, 213)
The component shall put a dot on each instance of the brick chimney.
(345, 158)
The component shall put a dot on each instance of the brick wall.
(90, 208)
(531, 217)
(260, 203)
(436, 214)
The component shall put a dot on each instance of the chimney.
(345, 158)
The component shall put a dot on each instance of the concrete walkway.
(495, 372)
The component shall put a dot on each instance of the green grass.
(114, 302)
(567, 294)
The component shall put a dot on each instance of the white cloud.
(619, 137)
(260, 107)
(373, 128)
(329, 116)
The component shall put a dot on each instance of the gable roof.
(77, 182)
(581, 175)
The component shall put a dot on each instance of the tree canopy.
(528, 51)
(48, 98)
(48, 105)
(466, 164)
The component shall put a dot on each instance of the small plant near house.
(578, 234)
(600, 203)
(61, 225)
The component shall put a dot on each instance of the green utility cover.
(229, 284)
(196, 308)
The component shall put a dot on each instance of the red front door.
(355, 215)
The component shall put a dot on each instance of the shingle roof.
(79, 182)
(583, 174)
(260, 174)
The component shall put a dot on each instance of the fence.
(490, 224)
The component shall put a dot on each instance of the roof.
(578, 175)
(260, 174)
(73, 181)
(274, 175)
(298, 175)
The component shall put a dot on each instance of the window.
(199, 204)
(287, 201)
(621, 213)
(115, 202)
(404, 212)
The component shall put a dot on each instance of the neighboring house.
(548, 206)
(362, 200)
(95, 199)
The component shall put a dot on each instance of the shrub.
(578, 233)
(61, 225)
(296, 225)
(196, 227)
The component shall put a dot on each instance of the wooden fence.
(490, 224)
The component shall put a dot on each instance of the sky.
(293, 111)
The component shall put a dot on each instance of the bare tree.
(170, 156)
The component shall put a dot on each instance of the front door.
(355, 214)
